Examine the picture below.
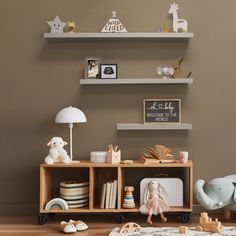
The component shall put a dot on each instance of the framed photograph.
(92, 67)
(162, 111)
(108, 71)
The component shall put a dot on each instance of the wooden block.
(183, 229)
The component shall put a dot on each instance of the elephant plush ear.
(233, 179)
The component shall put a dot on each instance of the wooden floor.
(99, 225)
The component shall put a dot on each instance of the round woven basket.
(75, 193)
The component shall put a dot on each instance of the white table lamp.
(70, 115)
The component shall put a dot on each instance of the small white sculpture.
(56, 152)
(179, 25)
(165, 72)
(56, 25)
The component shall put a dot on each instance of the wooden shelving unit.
(137, 36)
(135, 81)
(100, 173)
(133, 126)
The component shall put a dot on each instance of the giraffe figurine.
(179, 25)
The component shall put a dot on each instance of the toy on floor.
(56, 152)
(183, 229)
(217, 193)
(157, 154)
(130, 227)
(71, 26)
(155, 201)
(79, 225)
(207, 224)
(179, 25)
(67, 227)
(128, 198)
(113, 155)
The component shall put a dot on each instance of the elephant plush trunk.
(203, 199)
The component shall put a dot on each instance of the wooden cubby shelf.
(130, 174)
(137, 36)
(135, 81)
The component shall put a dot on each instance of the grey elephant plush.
(219, 193)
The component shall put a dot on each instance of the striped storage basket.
(75, 193)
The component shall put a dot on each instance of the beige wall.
(39, 78)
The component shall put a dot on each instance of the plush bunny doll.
(155, 201)
(57, 153)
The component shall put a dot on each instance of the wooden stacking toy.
(128, 198)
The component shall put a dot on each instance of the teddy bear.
(56, 152)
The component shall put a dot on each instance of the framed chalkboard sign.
(162, 111)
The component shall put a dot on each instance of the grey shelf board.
(133, 126)
(135, 81)
(113, 36)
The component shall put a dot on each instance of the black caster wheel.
(51, 215)
(120, 217)
(185, 217)
(42, 219)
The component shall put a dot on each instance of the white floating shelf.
(125, 36)
(130, 126)
(135, 81)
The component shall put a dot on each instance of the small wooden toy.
(130, 227)
(179, 73)
(127, 162)
(71, 26)
(183, 229)
(179, 25)
(113, 155)
(209, 225)
(128, 198)
(158, 154)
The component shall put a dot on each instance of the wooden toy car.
(130, 227)
(209, 225)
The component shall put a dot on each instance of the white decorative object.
(56, 25)
(113, 155)
(183, 156)
(114, 25)
(56, 152)
(70, 115)
(98, 157)
(165, 72)
(179, 25)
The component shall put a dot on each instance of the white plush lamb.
(56, 152)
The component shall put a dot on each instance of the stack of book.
(109, 195)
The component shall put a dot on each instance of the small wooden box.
(113, 157)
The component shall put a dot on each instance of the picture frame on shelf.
(161, 111)
(108, 71)
(92, 67)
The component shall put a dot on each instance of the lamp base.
(75, 161)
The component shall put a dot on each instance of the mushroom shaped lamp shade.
(70, 115)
